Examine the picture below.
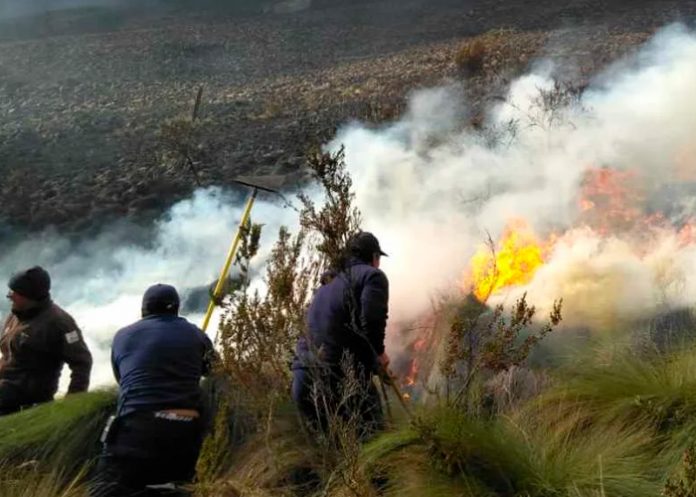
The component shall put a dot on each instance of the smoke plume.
(432, 189)
(101, 281)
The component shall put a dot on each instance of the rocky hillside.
(95, 100)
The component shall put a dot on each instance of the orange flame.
(611, 200)
(418, 346)
(514, 261)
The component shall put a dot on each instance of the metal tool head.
(268, 183)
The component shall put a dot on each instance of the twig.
(194, 116)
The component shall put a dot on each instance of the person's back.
(158, 429)
(348, 315)
(158, 363)
(346, 318)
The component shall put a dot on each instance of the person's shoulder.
(130, 329)
(372, 273)
(60, 317)
(56, 311)
(185, 324)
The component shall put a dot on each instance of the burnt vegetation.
(92, 93)
(487, 421)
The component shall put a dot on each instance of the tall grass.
(460, 455)
(47, 451)
(658, 390)
(31, 482)
(63, 434)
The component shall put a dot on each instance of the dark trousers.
(324, 395)
(14, 397)
(141, 450)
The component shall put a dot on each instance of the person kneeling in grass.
(344, 344)
(157, 433)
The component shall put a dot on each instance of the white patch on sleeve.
(72, 337)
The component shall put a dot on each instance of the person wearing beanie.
(157, 432)
(38, 338)
(346, 324)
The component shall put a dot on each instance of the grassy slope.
(617, 428)
(64, 432)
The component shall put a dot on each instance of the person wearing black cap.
(346, 324)
(38, 338)
(157, 432)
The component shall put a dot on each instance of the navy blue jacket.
(348, 314)
(158, 363)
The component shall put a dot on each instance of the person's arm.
(374, 302)
(5, 326)
(76, 355)
(114, 366)
(210, 356)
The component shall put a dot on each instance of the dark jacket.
(349, 314)
(158, 363)
(35, 344)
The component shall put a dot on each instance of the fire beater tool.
(255, 189)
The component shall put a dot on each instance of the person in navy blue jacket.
(346, 324)
(157, 432)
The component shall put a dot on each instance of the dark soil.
(84, 92)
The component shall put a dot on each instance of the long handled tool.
(387, 378)
(255, 188)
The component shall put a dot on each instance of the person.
(346, 323)
(156, 435)
(38, 338)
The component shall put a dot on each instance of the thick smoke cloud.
(101, 281)
(431, 189)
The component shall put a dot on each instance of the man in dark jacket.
(157, 433)
(38, 338)
(346, 323)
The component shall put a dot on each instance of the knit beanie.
(33, 283)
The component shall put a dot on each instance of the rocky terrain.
(96, 102)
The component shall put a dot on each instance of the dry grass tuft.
(471, 56)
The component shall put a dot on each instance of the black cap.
(33, 283)
(160, 299)
(365, 245)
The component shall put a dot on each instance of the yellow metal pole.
(230, 259)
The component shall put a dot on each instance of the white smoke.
(432, 189)
(101, 281)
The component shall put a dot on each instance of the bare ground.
(81, 105)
